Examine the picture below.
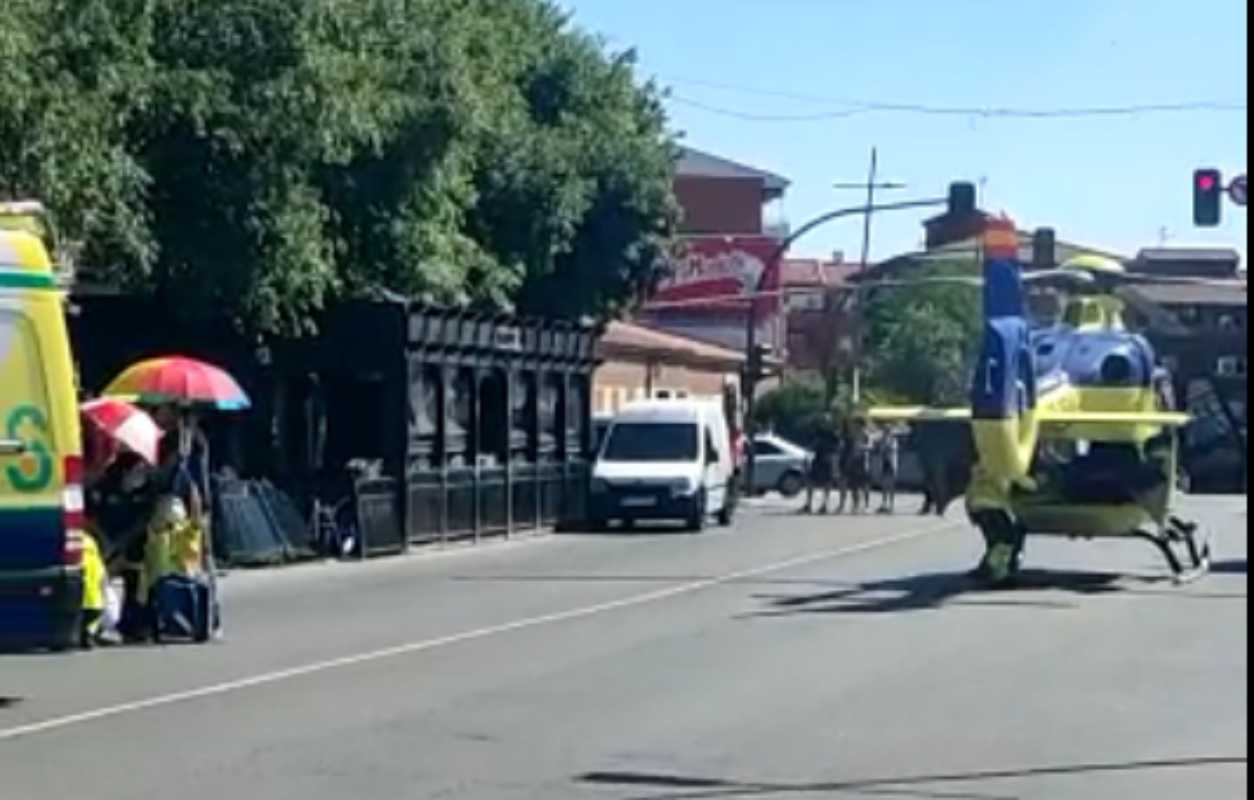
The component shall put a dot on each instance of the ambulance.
(41, 464)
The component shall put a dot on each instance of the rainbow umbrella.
(180, 381)
(125, 424)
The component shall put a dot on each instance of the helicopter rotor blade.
(975, 281)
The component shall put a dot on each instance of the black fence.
(500, 423)
(474, 425)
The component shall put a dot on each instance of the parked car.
(779, 466)
(665, 460)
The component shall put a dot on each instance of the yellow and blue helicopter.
(1072, 424)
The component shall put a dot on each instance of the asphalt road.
(786, 658)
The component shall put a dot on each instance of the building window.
(1228, 322)
(806, 301)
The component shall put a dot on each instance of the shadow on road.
(8, 702)
(1230, 567)
(679, 787)
(934, 590)
(635, 578)
(642, 530)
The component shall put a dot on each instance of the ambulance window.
(22, 384)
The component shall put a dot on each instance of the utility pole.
(753, 353)
(870, 186)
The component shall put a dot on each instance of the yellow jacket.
(93, 575)
(175, 547)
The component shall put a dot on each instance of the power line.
(985, 112)
(856, 107)
(754, 117)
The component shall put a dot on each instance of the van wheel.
(696, 522)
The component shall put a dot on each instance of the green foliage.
(264, 156)
(922, 341)
(798, 410)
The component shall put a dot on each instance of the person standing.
(855, 468)
(890, 464)
(822, 468)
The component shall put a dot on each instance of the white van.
(665, 460)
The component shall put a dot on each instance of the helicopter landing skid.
(1178, 531)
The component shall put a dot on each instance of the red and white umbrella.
(125, 424)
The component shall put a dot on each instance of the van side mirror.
(711, 457)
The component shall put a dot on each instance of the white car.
(779, 466)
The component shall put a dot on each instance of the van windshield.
(652, 442)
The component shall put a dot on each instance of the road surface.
(788, 657)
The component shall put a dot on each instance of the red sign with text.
(712, 270)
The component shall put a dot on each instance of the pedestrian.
(94, 581)
(822, 473)
(855, 469)
(121, 504)
(890, 463)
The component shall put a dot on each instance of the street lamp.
(959, 193)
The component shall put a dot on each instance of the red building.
(818, 323)
(728, 243)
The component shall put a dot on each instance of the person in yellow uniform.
(175, 544)
(94, 598)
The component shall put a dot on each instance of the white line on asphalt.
(457, 638)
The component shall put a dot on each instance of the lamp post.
(753, 359)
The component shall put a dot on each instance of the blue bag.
(182, 608)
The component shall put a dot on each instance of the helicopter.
(1073, 427)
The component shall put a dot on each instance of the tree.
(74, 73)
(262, 157)
(799, 409)
(922, 341)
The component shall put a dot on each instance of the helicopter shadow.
(935, 590)
(1230, 567)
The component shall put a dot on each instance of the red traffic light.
(1207, 197)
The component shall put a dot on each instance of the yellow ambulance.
(41, 466)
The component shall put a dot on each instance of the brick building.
(639, 363)
(818, 322)
(1204, 341)
(730, 231)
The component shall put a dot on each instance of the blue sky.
(1114, 182)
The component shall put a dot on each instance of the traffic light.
(1044, 248)
(1208, 191)
(757, 362)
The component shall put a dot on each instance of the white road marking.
(457, 638)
